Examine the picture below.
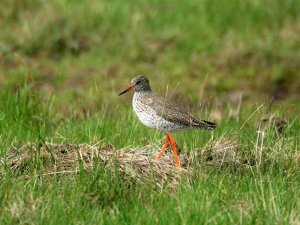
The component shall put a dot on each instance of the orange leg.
(174, 148)
(163, 149)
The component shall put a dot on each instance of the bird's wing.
(172, 112)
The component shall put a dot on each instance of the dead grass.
(55, 159)
(136, 163)
(223, 151)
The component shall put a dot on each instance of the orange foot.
(169, 139)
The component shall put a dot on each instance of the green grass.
(62, 64)
(267, 193)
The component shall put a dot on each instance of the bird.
(155, 111)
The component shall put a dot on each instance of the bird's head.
(139, 84)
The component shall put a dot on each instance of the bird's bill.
(128, 89)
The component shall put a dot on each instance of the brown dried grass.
(136, 163)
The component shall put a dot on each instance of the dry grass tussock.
(58, 159)
(136, 163)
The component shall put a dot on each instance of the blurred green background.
(198, 51)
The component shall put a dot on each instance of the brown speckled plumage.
(171, 112)
(145, 100)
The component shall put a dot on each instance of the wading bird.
(156, 112)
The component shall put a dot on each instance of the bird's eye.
(139, 82)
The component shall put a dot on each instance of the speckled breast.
(149, 117)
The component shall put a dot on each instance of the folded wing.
(171, 112)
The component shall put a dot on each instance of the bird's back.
(157, 112)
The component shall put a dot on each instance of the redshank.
(156, 112)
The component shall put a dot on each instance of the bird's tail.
(203, 124)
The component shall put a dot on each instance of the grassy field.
(236, 63)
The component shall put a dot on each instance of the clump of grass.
(223, 151)
(57, 159)
(136, 163)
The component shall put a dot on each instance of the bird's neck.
(138, 94)
(143, 91)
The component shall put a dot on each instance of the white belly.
(149, 117)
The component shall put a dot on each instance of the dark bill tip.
(128, 89)
(123, 92)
